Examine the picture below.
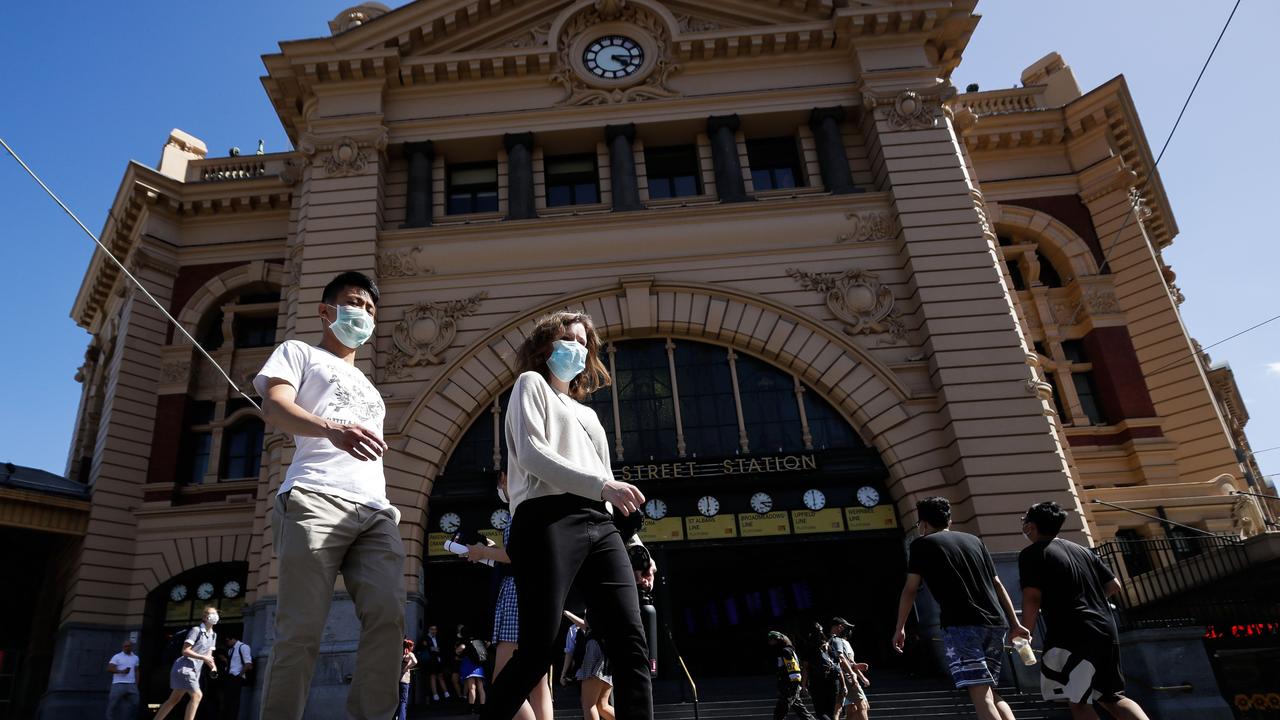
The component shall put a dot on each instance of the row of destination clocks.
(708, 506)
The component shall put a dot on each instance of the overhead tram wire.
(1214, 345)
(1106, 256)
(130, 275)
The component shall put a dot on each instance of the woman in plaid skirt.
(506, 617)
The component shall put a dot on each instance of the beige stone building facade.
(831, 285)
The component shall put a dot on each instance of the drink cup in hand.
(1025, 653)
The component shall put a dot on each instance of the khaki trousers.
(316, 536)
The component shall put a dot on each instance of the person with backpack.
(184, 676)
(790, 678)
(471, 656)
(822, 672)
(850, 692)
(590, 667)
(239, 669)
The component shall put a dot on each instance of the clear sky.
(93, 85)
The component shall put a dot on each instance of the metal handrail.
(693, 687)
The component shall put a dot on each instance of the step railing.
(684, 669)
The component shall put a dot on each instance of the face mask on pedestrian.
(568, 360)
(352, 325)
(211, 618)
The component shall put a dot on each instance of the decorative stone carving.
(858, 300)
(1098, 301)
(402, 262)
(293, 267)
(910, 109)
(1102, 302)
(175, 372)
(869, 227)
(536, 37)
(690, 24)
(581, 88)
(426, 331)
(1065, 312)
(291, 173)
(343, 156)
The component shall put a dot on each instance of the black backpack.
(476, 650)
(173, 648)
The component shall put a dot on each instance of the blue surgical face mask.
(568, 360)
(353, 326)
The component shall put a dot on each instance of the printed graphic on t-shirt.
(355, 398)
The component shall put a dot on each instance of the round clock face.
(655, 509)
(761, 503)
(708, 506)
(231, 589)
(868, 496)
(814, 500)
(450, 522)
(178, 593)
(204, 591)
(500, 518)
(613, 56)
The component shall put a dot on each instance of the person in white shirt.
(239, 665)
(331, 514)
(561, 485)
(122, 703)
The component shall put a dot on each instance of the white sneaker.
(436, 698)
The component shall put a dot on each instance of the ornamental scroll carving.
(869, 227)
(1097, 301)
(910, 109)
(404, 262)
(426, 330)
(343, 156)
(579, 88)
(858, 299)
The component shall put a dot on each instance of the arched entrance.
(767, 509)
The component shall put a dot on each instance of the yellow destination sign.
(435, 544)
(881, 517)
(667, 529)
(757, 525)
(711, 528)
(821, 521)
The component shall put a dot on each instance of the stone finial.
(180, 149)
(1055, 74)
(357, 15)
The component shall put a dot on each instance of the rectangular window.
(473, 188)
(254, 331)
(775, 163)
(1137, 558)
(672, 171)
(571, 180)
(201, 444)
(1088, 395)
(1073, 351)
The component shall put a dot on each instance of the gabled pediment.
(429, 27)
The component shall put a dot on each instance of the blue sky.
(100, 85)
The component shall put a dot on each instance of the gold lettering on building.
(731, 466)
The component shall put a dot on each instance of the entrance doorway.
(720, 601)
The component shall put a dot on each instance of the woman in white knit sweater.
(559, 480)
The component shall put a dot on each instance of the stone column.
(721, 130)
(519, 175)
(1003, 454)
(834, 163)
(622, 167)
(417, 211)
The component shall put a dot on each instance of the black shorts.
(1087, 673)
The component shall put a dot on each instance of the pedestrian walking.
(471, 670)
(408, 661)
(562, 532)
(591, 669)
(962, 577)
(184, 675)
(851, 699)
(506, 616)
(1069, 585)
(434, 665)
(122, 702)
(789, 679)
(239, 666)
(821, 672)
(331, 514)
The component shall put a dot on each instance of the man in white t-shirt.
(122, 703)
(331, 514)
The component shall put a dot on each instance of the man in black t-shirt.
(959, 572)
(1070, 585)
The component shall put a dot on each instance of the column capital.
(819, 115)
(511, 140)
(420, 147)
(730, 122)
(612, 132)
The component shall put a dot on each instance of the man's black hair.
(1048, 518)
(936, 511)
(348, 279)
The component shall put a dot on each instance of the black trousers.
(231, 686)
(556, 541)
(790, 700)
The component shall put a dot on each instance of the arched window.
(646, 406)
(1049, 276)
(706, 395)
(769, 408)
(241, 450)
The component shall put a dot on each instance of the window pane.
(660, 188)
(768, 407)
(1073, 350)
(706, 400)
(674, 169)
(558, 195)
(198, 464)
(471, 468)
(242, 450)
(645, 403)
(473, 188)
(784, 178)
(586, 193)
(685, 185)
(1088, 394)
(775, 163)
(762, 179)
(1048, 273)
(251, 332)
(827, 428)
(474, 175)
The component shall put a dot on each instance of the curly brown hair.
(536, 348)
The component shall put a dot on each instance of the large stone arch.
(166, 548)
(868, 394)
(202, 300)
(1059, 243)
